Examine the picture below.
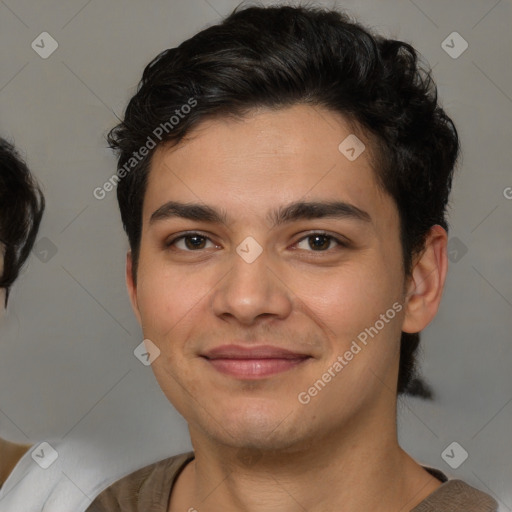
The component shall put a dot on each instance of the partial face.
(249, 310)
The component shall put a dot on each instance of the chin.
(261, 426)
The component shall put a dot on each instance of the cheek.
(347, 299)
(167, 295)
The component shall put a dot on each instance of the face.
(251, 301)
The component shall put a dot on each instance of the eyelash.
(191, 234)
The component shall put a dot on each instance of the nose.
(251, 291)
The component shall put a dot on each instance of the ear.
(131, 286)
(425, 286)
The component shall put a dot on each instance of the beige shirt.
(149, 490)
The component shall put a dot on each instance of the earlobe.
(425, 287)
(131, 286)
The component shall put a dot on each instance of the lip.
(253, 362)
(258, 352)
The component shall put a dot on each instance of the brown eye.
(320, 242)
(194, 242)
(189, 242)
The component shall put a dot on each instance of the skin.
(257, 448)
(10, 454)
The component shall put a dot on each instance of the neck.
(352, 469)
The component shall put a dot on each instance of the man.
(24, 485)
(21, 209)
(283, 179)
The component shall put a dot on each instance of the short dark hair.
(281, 56)
(21, 209)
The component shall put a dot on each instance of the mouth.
(254, 362)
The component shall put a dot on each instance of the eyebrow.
(285, 214)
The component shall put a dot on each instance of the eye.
(190, 242)
(320, 242)
(314, 242)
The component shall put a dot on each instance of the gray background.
(67, 368)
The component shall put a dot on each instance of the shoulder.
(147, 487)
(457, 496)
(38, 478)
(58, 475)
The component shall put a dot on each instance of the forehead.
(266, 159)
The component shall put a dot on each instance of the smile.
(254, 362)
